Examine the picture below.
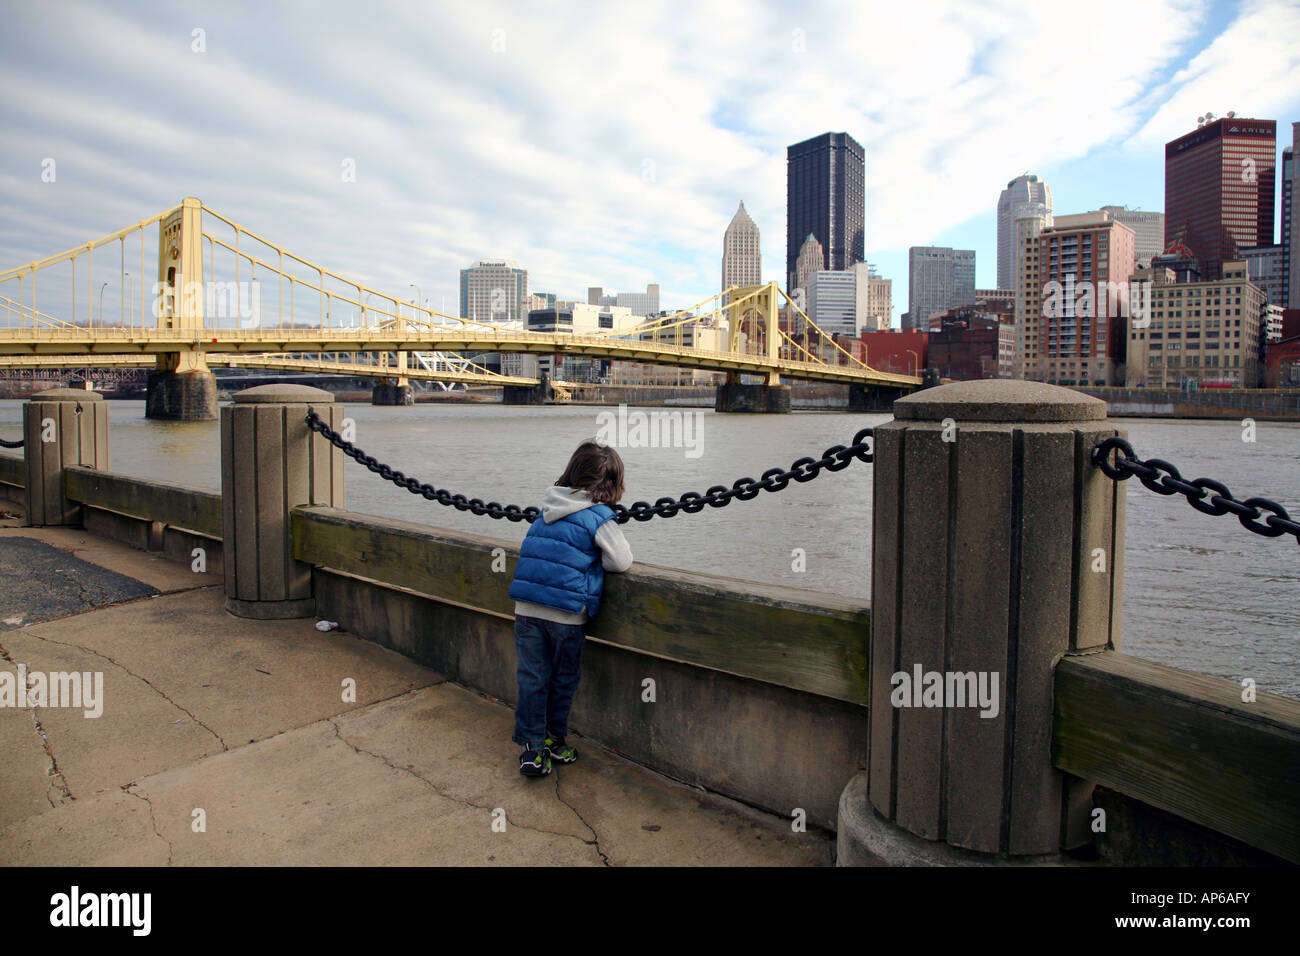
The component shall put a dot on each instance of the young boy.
(557, 588)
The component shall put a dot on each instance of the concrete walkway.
(225, 741)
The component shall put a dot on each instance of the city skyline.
(465, 145)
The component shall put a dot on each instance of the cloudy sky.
(603, 143)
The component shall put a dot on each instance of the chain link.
(835, 458)
(1204, 494)
(5, 443)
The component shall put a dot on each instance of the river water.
(1200, 592)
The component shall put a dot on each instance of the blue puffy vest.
(560, 563)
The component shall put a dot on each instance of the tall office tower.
(1265, 268)
(1082, 334)
(495, 291)
(1219, 183)
(938, 279)
(1028, 294)
(833, 301)
(825, 196)
(1024, 195)
(811, 261)
(742, 261)
(1288, 220)
(1148, 230)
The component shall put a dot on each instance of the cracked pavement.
(226, 741)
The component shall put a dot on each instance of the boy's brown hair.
(596, 469)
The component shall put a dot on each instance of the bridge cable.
(835, 458)
(1221, 502)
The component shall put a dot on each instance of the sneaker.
(535, 763)
(560, 751)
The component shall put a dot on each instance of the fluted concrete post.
(997, 547)
(61, 427)
(271, 462)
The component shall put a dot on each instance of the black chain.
(1221, 500)
(836, 458)
(4, 443)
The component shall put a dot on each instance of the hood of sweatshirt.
(561, 501)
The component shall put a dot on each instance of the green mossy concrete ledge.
(171, 505)
(12, 471)
(1184, 743)
(791, 637)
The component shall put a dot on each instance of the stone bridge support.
(181, 387)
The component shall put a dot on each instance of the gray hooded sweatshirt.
(615, 553)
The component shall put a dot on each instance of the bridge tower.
(181, 387)
(761, 303)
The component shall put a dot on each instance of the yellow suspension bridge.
(207, 306)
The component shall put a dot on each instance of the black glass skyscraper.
(825, 195)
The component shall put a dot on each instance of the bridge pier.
(997, 549)
(737, 397)
(543, 393)
(392, 395)
(271, 462)
(863, 398)
(181, 396)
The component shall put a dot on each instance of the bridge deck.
(120, 341)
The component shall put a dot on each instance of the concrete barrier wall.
(758, 693)
(149, 515)
(12, 478)
(1184, 743)
(1214, 403)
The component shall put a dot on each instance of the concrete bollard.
(271, 462)
(997, 547)
(61, 427)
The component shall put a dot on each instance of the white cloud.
(606, 145)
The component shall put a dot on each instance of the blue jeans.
(550, 666)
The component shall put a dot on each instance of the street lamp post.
(101, 302)
(916, 360)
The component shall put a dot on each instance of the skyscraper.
(1290, 300)
(811, 260)
(825, 197)
(1148, 231)
(1219, 183)
(1265, 268)
(742, 262)
(1024, 195)
(938, 279)
(494, 291)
